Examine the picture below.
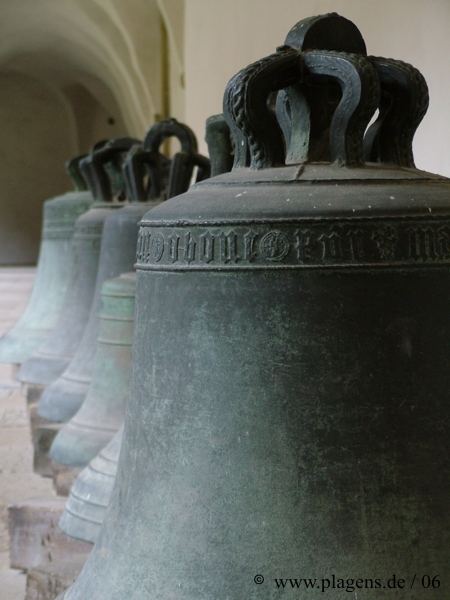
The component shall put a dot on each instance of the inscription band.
(313, 244)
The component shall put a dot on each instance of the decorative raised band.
(306, 244)
(59, 228)
(57, 233)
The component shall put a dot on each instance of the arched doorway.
(71, 74)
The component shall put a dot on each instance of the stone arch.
(97, 62)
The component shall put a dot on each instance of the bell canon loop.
(90, 494)
(289, 411)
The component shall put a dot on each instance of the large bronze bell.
(102, 410)
(104, 172)
(53, 356)
(289, 408)
(53, 270)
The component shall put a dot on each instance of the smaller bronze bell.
(85, 434)
(90, 493)
(53, 271)
(102, 411)
(62, 398)
(53, 355)
(117, 255)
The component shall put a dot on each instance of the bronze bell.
(90, 493)
(62, 397)
(55, 353)
(53, 269)
(101, 410)
(288, 415)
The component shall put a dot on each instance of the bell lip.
(62, 399)
(79, 528)
(76, 446)
(18, 345)
(42, 370)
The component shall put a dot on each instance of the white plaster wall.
(222, 37)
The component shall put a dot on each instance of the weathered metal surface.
(289, 409)
(52, 275)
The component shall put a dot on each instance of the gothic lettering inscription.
(312, 244)
(228, 244)
(274, 245)
(428, 243)
(386, 239)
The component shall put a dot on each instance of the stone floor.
(17, 481)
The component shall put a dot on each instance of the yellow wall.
(222, 37)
